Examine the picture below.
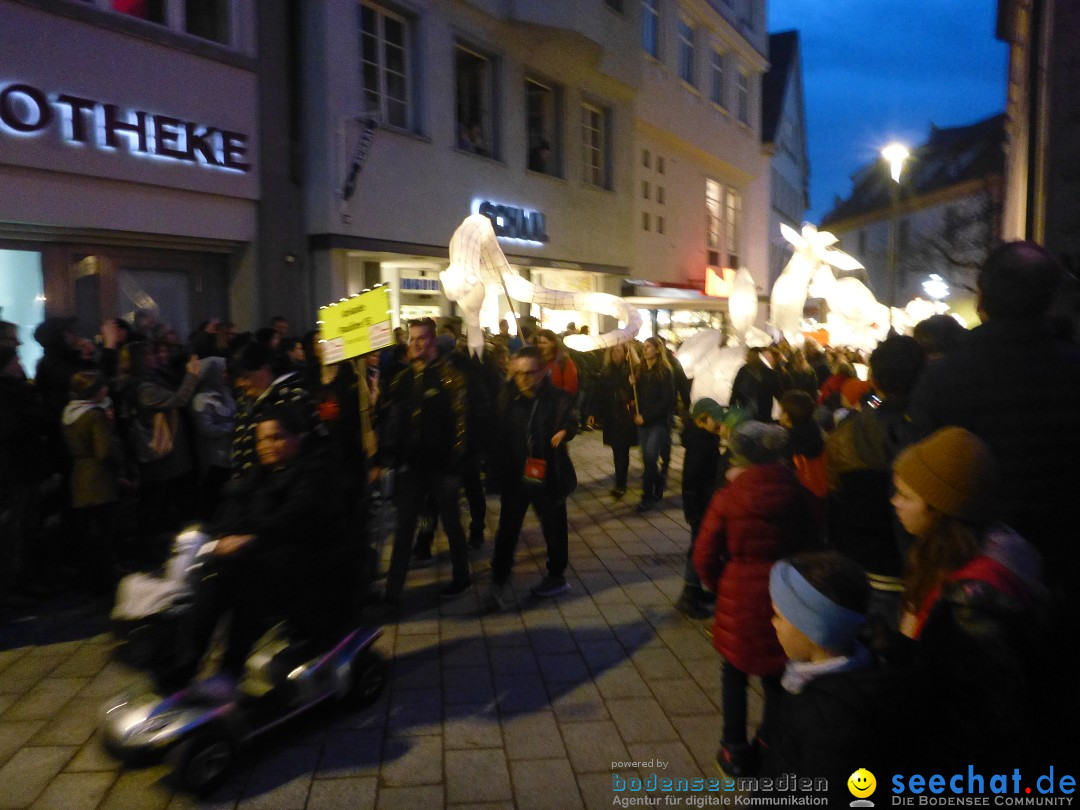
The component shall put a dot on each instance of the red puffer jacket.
(751, 523)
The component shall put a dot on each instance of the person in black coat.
(755, 387)
(536, 420)
(613, 407)
(655, 409)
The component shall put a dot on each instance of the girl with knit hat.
(971, 589)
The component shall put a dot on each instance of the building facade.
(130, 159)
(946, 209)
(784, 134)
(587, 130)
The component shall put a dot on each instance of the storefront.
(122, 190)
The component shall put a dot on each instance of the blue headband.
(820, 619)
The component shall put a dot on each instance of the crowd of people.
(868, 544)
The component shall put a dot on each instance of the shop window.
(207, 19)
(475, 102)
(150, 10)
(165, 292)
(22, 300)
(717, 95)
(595, 147)
(744, 96)
(543, 117)
(650, 27)
(384, 65)
(686, 51)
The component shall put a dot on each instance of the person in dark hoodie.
(972, 595)
(858, 465)
(839, 710)
(760, 517)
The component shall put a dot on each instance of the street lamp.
(895, 154)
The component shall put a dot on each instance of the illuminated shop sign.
(514, 223)
(27, 111)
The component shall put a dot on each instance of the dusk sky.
(879, 70)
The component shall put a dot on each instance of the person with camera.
(536, 420)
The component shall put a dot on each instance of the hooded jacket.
(751, 523)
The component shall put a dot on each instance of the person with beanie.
(972, 591)
(839, 708)
(760, 517)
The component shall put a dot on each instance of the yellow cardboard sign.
(356, 325)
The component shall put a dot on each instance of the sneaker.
(495, 598)
(618, 492)
(551, 586)
(455, 588)
(645, 505)
(736, 760)
(692, 607)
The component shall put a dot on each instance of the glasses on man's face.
(528, 373)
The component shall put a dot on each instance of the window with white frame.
(474, 75)
(205, 19)
(384, 65)
(723, 231)
(732, 226)
(714, 218)
(744, 96)
(594, 135)
(650, 27)
(686, 50)
(718, 96)
(543, 116)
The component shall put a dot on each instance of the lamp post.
(895, 154)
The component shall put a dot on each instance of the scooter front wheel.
(369, 676)
(201, 762)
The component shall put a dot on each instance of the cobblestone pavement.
(528, 708)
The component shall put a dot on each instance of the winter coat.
(613, 405)
(655, 394)
(95, 454)
(755, 520)
(563, 373)
(423, 420)
(554, 411)
(754, 388)
(287, 390)
(1017, 388)
(700, 466)
(153, 395)
(214, 413)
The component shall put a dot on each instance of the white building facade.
(590, 130)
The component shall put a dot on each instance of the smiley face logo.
(862, 783)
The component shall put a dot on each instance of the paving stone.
(472, 726)
(75, 791)
(562, 667)
(410, 798)
(641, 720)
(27, 671)
(281, 781)
(577, 703)
(657, 664)
(86, 662)
(532, 736)
(467, 653)
(513, 660)
(544, 784)
(621, 681)
(143, 789)
(350, 754)
(520, 692)
(9, 657)
(72, 726)
(596, 788)
(337, 794)
(15, 734)
(701, 736)
(593, 746)
(416, 711)
(45, 699)
(681, 696)
(409, 761)
(680, 763)
(29, 771)
(477, 776)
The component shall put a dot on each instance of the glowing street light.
(895, 154)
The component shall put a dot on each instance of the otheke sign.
(28, 111)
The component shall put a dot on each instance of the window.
(207, 19)
(744, 96)
(646, 159)
(686, 51)
(650, 27)
(660, 194)
(475, 77)
(660, 164)
(732, 227)
(644, 189)
(644, 220)
(151, 10)
(714, 214)
(594, 134)
(659, 224)
(384, 60)
(717, 95)
(543, 114)
(22, 300)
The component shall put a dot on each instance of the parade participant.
(655, 408)
(614, 406)
(557, 363)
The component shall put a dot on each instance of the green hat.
(735, 417)
(707, 405)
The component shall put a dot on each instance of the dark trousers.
(655, 441)
(474, 494)
(95, 530)
(621, 455)
(552, 513)
(413, 488)
(734, 684)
